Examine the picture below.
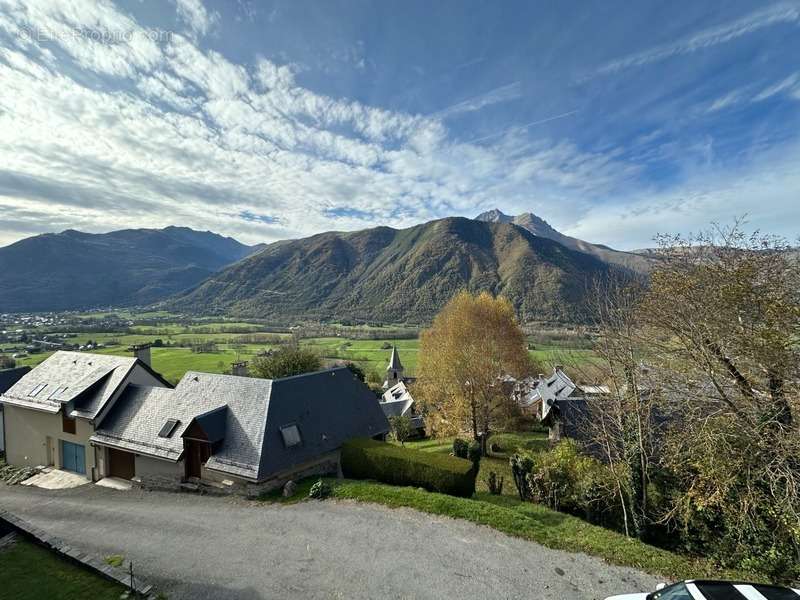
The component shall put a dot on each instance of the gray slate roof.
(394, 361)
(8, 377)
(328, 408)
(137, 417)
(90, 381)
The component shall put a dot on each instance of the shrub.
(320, 490)
(369, 459)
(567, 480)
(401, 428)
(460, 448)
(474, 454)
(521, 466)
(494, 484)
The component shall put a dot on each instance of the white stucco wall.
(147, 466)
(27, 433)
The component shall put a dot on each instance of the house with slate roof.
(557, 401)
(240, 432)
(226, 431)
(398, 401)
(51, 412)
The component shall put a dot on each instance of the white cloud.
(788, 12)
(94, 34)
(766, 191)
(195, 15)
(790, 85)
(180, 135)
(505, 93)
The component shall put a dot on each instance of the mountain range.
(378, 274)
(74, 270)
(401, 275)
(539, 227)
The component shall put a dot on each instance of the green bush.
(369, 459)
(567, 480)
(521, 466)
(494, 484)
(460, 448)
(320, 490)
(474, 454)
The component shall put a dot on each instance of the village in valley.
(408, 300)
(475, 412)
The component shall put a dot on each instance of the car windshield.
(676, 591)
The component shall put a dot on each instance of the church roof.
(394, 361)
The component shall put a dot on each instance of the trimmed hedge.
(395, 465)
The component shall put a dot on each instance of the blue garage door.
(73, 457)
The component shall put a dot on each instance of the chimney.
(239, 369)
(142, 352)
(559, 367)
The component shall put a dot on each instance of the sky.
(612, 120)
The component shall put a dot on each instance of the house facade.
(51, 413)
(104, 416)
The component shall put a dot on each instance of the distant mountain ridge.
(401, 275)
(541, 228)
(74, 270)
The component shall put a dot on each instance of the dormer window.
(291, 436)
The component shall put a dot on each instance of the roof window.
(169, 428)
(291, 435)
(57, 392)
(35, 391)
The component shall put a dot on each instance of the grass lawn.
(29, 572)
(498, 462)
(528, 521)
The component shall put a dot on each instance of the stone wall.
(220, 483)
(325, 465)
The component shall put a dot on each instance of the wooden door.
(192, 460)
(121, 464)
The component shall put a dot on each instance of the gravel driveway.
(204, 547)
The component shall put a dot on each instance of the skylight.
(35, 391)
(57, 392)
(169, 428)
(291, 436)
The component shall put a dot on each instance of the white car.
(697, 589)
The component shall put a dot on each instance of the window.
(67, 424)
(169, 428)
(291, 436)
(35, 391)
(57, 392)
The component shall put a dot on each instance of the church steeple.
(394, 370)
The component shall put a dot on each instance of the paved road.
(208, 548)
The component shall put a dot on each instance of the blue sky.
(612, 120)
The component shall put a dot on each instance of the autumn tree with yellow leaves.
(473, 342)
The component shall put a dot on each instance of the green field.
(238, 340)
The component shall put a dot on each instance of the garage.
(121, 464)
(73, 457)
